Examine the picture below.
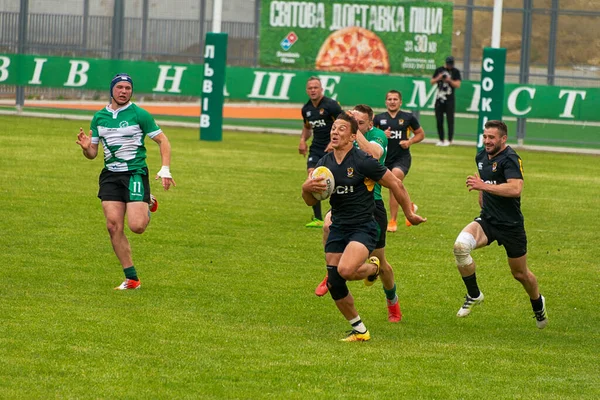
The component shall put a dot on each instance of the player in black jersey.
(318, 115)
(398, 126)
(499, 183)
(353, 232)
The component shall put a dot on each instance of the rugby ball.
(329, 180)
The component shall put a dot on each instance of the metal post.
(217, 14)
(202, 18)
(497, 24)
(145, 13)
(86, 17)
(552, 42)
(256, 30)
(21, 48)
(525, 62)
(117, 29)
(468, 34)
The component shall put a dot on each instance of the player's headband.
(120, 78)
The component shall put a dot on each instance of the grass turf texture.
(227, 310)
(537, 133)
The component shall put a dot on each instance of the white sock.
(358, 325)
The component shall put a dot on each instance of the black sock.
(537, 304)
(471, 284)
(130, 273)
(317, 211)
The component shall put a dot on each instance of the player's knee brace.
(336, 284)
(465, 243)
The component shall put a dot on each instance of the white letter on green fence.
(37, 72)
(163, 77)
(3, 68)
(512, 100)
(78, 69)
(571, 97)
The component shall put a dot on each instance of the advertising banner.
(289, 86)
(361, 36)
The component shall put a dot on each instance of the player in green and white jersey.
(122, 127)
(374, 142)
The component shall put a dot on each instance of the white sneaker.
(541, 317)
(469, 303)
(445, 144)
(439, 143)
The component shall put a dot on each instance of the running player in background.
(318, 115)
(398, 126)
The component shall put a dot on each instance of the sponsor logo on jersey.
(383, 122)
(344, 189)
(395, 134)
(480, 166)
(350, 172)
(124, 124)
(318, 123)
(288, 41)
(308, 114)
(494, 166)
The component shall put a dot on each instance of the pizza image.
(353, 49)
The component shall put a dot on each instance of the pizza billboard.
(361, 36)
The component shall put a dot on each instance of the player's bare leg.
(386, 273)
(321, 288)
(471, 237)
(393, 224)
(114, 211)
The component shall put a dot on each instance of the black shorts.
(513, 238)
(314, 155)
(125, 187)
(382, 221)
(402, 162)
(339, 236)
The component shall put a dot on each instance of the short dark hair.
(501, 126)
(346, 116)
(394, 91)
(314, 78)
(365, 109)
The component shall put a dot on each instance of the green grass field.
(538, 133)
(227, 310)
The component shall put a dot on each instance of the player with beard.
(403, 130)
(121, 127)
(353, 232)
(499, 183)
(318, 115)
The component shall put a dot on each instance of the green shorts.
(125, 187)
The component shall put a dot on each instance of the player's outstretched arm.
(165, 155)
(89, 149)
(306, 134)
(398, 190)
(512, 188)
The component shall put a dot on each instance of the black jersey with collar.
(401, 126)
(504, 166)
(352, 201)
(320, 120)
